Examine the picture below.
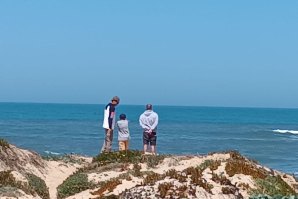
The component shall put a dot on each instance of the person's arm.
(111, 116)
(142, 123)
(154, 125)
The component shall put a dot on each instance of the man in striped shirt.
(109, 123)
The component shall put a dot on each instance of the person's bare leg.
(153, 149)
(145, 148)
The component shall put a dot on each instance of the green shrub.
(152, 160)
(75, 183)
(130, 156)
(34, 186)
(272, 186)
(39, 186)
(118, 157)
(4, 144)
(6, 178)
(212, 164)
(240, 166)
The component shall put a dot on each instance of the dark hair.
(122, 116)
(149, 107)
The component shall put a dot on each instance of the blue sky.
(202, 53)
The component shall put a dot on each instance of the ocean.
(267, 135)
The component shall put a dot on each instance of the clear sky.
(202, 53)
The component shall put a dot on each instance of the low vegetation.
(39, 186)
(35, 185)
(4, 144)
(76, 183)
(272, 186)
(237, 164)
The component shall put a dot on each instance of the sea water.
(267, 135)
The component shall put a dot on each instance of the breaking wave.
(52, 153)
(285, 131)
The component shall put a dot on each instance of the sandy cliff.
(24, 174)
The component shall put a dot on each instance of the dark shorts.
(149, 138)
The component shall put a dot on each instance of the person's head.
(122, 116)
(115, 100)
(149, 107)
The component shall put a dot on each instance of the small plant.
(34, 186)
(222, 180)
(152, 160)
(137, 170)
(75, 183)
(212, 164)
(129, 156)
(172, 173)
(272, 186)
(125, 176)
(4, 144)
(109, 185)
(152, 178)
(228, 190)
(39, 186)
(163, 188)
(243, 167)
(235, 155)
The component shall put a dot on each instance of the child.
(123, 133)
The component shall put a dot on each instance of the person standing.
(109, 123)
(123, 133)
(149, 121)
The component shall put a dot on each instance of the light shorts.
(123, 145)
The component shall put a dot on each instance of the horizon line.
(175, 105)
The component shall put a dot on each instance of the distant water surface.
(267, 135)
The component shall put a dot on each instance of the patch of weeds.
(125, 176)
(235, 155)
(4, 144)
(6, 178)
(212, 164)
(181, 177)
(152, 178)
(195, 174)
(34, 186)
(130, 156)
(108, 185)
(244, 186)
(240, 166)
(229, 190)
(222, 180)
(196, 178)
(272, 186)
(75, 183)
(163, 188)
(39, 186)
(136, 170)
(182, 191)
(95, 167)
(152, 160)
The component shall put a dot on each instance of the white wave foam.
(52, 153)
(285, 131)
